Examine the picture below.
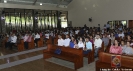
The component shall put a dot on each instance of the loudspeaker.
(90, 19)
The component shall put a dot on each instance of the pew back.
(125, 60)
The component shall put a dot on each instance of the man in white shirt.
(67, 41)
(76, 32)
(121, 34)
(60, 41)
(97, 44)
(13, 41)
(47, 35)
(37, 38)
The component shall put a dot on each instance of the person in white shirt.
(76, 44)
(128, 50)
(60, 41)
(13, 41)
(121, 34)
(52, 34)
(97, 44)
(67, 41)
(37, 38)
(81, 43)
(76, 32)
(47, 35)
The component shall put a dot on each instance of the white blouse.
(81, 44)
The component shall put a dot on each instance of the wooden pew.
(49, 41)
(69, 54)
(55, 41)
(108, 47)
(104, 61)
(40, 42)
(102, 48)
(31, 44)
(20, 45)
(4, 41)
(90, 55)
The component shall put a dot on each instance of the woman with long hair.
(116, 48)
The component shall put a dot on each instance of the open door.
(130, 24)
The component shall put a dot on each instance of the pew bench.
(40, 42)
(68, 54)
(90, 55)
(31, 44)
(21, 45)
(104, 61)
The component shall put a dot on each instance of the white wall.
(101, 11)
(43, 7)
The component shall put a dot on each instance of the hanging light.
(40, 3)
(5, 1)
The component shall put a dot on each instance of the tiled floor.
(32, 60)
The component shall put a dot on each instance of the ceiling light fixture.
(5, 1)
(40, 3)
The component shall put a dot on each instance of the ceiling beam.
(34, 2)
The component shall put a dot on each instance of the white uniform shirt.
(47, 36)
(37, 36)
(13, 39)
(121, 35)
(81, 44)
(97, 43)
(60, 42)
(67, 42)
(77, 31)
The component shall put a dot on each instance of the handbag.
(58, 51)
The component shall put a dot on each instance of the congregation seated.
(80, 34)
(123, 49)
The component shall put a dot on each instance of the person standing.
(108, 27)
